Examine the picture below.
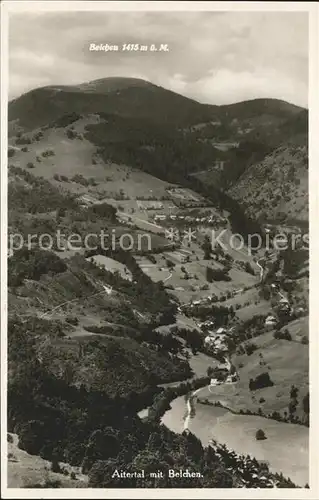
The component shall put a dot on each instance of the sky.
(213, 57)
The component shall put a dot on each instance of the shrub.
(217, 274)
(169, 263)
(11, 152)
(260, 435)
(9, 438)
(73, 320)
(30, 164)
(24, 149)
(305, 340)
(72, 475)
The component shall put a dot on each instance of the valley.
(174, 300)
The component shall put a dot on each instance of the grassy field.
(112, 265)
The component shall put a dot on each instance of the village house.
(160, 217)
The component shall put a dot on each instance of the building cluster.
(217, 339)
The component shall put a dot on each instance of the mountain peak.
(113, 83)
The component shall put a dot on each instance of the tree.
(100, 475)
(260, 435)
(305, 404)
(207, 247)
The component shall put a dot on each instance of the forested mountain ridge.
(89, 346)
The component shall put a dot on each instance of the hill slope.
(138, 98)
(276, 187)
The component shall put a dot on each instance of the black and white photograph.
(156, 213)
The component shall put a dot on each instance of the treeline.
(217, 274)
(159, 150)
(87, 428)
(53, 419)
(221, 315)
(65, 120)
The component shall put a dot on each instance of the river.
(285, 449)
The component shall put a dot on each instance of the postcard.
(159, 212)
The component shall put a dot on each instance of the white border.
(313, 10)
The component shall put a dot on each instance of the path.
(168, 277)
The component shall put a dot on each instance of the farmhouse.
(270, 322)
